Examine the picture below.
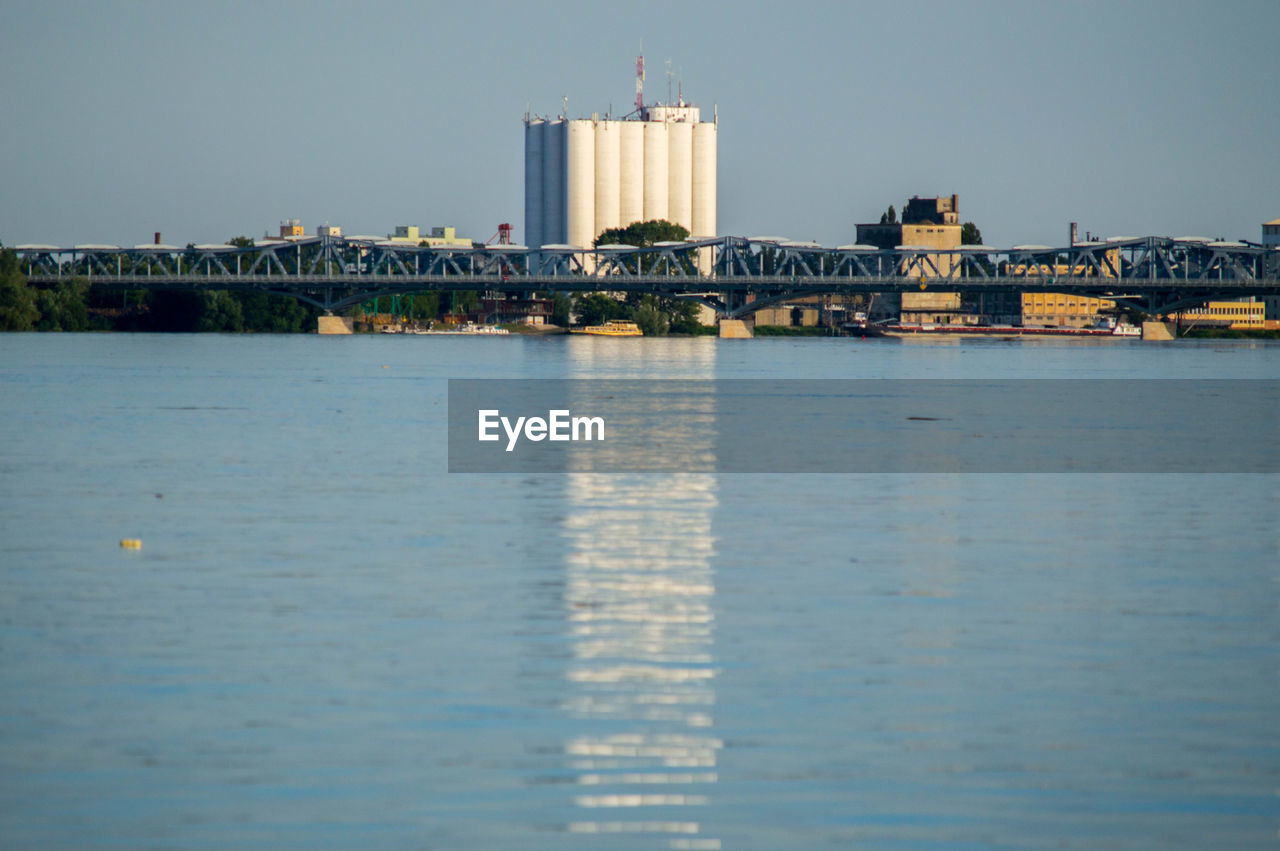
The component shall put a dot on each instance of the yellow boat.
(611, 328)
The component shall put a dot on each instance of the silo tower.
(585, 175)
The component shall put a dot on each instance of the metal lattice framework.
(734, 275)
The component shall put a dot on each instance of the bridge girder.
(333, 272)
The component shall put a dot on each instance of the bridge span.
(733, 275)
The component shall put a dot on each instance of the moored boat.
(469, 329)
(611, 328)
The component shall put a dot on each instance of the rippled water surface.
(326, 641)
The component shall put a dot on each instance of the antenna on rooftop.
(640, 81)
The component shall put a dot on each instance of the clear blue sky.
(206, 120)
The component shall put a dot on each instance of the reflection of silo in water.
(638, 605)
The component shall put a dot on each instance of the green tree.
(463, 301)
(63, 307)
(560, 309)
(18, 311)
(172, 310)
(650, 317)
(641, 234)
(970, 235)
(221, 311)
(595, 308)
(426, 305)
(889, 216)
(682, 316)
(1134, 316)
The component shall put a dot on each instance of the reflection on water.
(642, 677)
(638, 601)
(322, 646)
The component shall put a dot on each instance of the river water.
(328, 641)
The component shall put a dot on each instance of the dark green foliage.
(970, 235)
(889, 216)
(595, 308)
(18, 311)
(650, 317)
(221, 311)
(174, 311)
(643, 233)
(1232, 333)
(463, 301)
(63, 307)
(424, 306)
(560, 309)
(274, 314)
(683, 316)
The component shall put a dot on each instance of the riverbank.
(1231, 334)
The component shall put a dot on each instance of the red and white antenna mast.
(640, 83)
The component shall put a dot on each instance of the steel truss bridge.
(733, 275)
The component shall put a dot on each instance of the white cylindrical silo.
(630, 172)
(704, 179)
(608, 141)
(553, 174)
(533, 156)
(680, 174)
(655, 170)
(580, 165)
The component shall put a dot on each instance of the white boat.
(468, 330)
(1117, 327)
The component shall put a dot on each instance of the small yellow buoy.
(131, 543)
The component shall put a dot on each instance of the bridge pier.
(334, 325)
(735, 329)
(1158, 331)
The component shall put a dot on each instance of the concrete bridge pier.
(735, 329)
(333, 325)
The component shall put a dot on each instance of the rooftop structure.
(1271, 232)
(411, 235)
(932, 211)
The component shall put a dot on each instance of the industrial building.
(1271, 233)
(926, 223)
(1244, 314)
(584, 176)
(1065, 310)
